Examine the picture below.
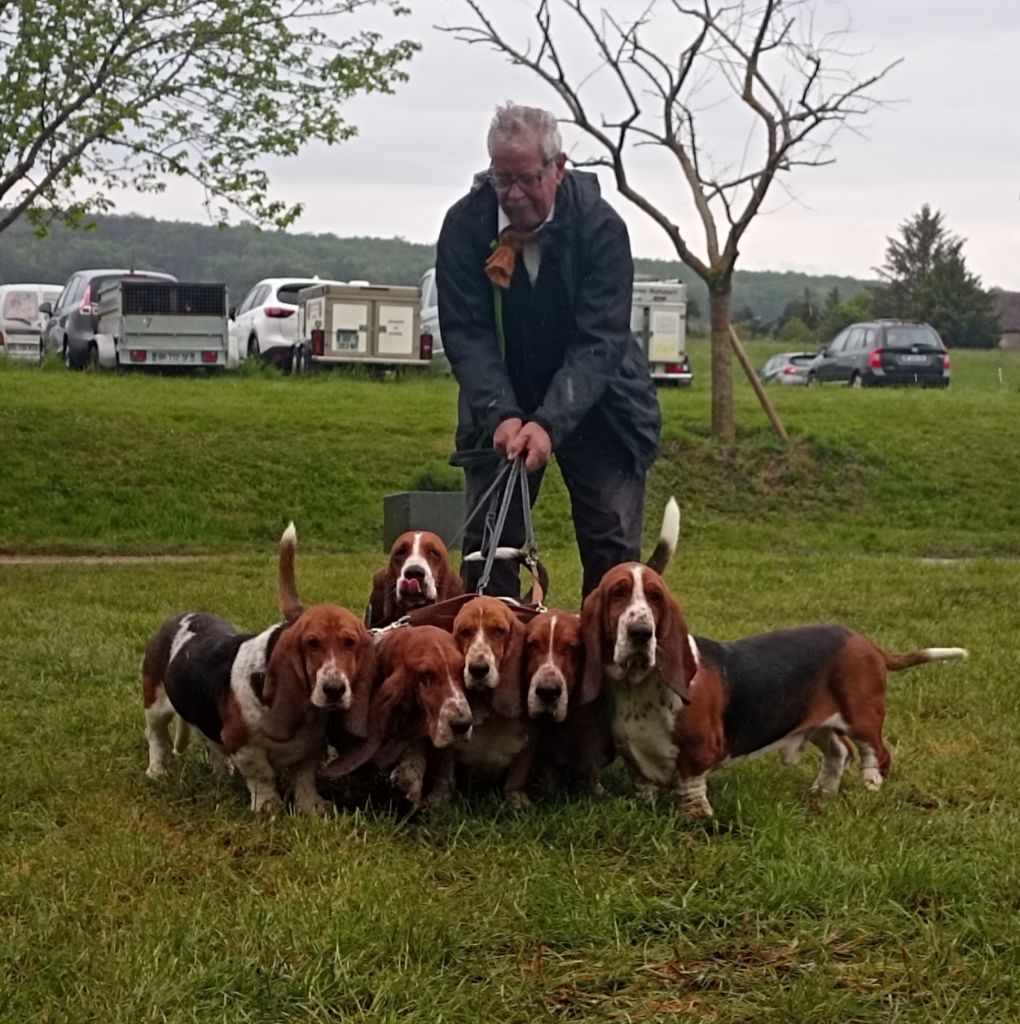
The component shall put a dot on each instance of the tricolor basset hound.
(260, 700)
(419, 707)
(418, 574)
(685, 705)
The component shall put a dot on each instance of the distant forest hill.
(240, 256)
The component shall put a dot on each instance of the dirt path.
(105, 559)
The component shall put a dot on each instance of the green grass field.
(127, 901)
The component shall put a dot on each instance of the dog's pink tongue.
(412, 586)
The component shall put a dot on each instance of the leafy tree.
(925, 278)
(842, 315)
(96, 94)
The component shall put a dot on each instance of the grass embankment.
(126, 902)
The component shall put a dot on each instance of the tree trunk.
(723, 425)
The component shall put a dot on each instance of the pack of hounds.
(496, 693)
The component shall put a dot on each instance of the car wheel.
(856, 381)
(69, 361)
(253, 347)
(299, 359)
(92, 358)
(812, 380)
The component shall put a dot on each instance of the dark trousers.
(607, 499)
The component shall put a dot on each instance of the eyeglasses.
(504, 182)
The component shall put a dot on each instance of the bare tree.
(756, 78)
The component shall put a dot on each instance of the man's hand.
(505, 433)
(534, 442)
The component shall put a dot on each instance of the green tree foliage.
(96, 94)
(925, 277)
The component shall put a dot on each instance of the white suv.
(264, 326)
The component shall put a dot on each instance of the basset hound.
(570, 711)
(685, 705)
(501, 745)
(418, 574)
(260, 700)
(418, 707)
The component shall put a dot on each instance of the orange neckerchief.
(499, 267)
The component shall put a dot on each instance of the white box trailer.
(658, 319)
(373, 324)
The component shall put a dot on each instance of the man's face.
(525, 183)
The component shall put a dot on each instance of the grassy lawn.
(127, 901)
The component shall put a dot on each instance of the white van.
(20, 320)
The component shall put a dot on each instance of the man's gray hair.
(513, 124)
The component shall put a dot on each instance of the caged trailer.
(152, 324)
(658, 319)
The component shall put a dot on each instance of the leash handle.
(496, 519)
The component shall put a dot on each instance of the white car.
(429, 316)
(21, 321)
(264, 326)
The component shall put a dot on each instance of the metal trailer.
(376, 325)
(153, 324)
(659, 321)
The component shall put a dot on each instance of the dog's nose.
(414, 572)
(334, 691)
(548, 691)
(461, 724)
(478, 669)
(640, 633)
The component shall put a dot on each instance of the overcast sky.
(950, 137)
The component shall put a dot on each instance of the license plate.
(346, 341)
(172, 357)
(918, 359)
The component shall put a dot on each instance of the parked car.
(20, 319)
(70, 330)
(883, 352)
(789, 368)
(264, 325)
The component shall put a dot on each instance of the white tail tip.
(289, 535)
(947, 653)
(670, 531)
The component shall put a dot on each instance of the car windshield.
(289, 292)
(802, 360)
(906, 335)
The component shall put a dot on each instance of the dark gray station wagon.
(883, 352)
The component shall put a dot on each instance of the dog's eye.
(464, 632)
(655, 597)
(498, 631)
(426, 678)
(312, 643)
(618, 593)
(350, 642)
(434, 555)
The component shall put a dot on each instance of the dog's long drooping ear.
(287, 690)
(355, 721)
(451, 585)
(509, 699)
(380, 604)
(593, 634)
(388, 699)
(673, 656)
(290, 604)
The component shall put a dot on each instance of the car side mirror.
(46, 307)
(232, 312)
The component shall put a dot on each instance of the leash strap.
(504, 468)
(495, 519)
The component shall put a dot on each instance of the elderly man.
(534, 274)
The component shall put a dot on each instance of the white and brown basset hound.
(419, 707)
(260, 700)
(501, 746)
(418, 574)
(685, 705)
